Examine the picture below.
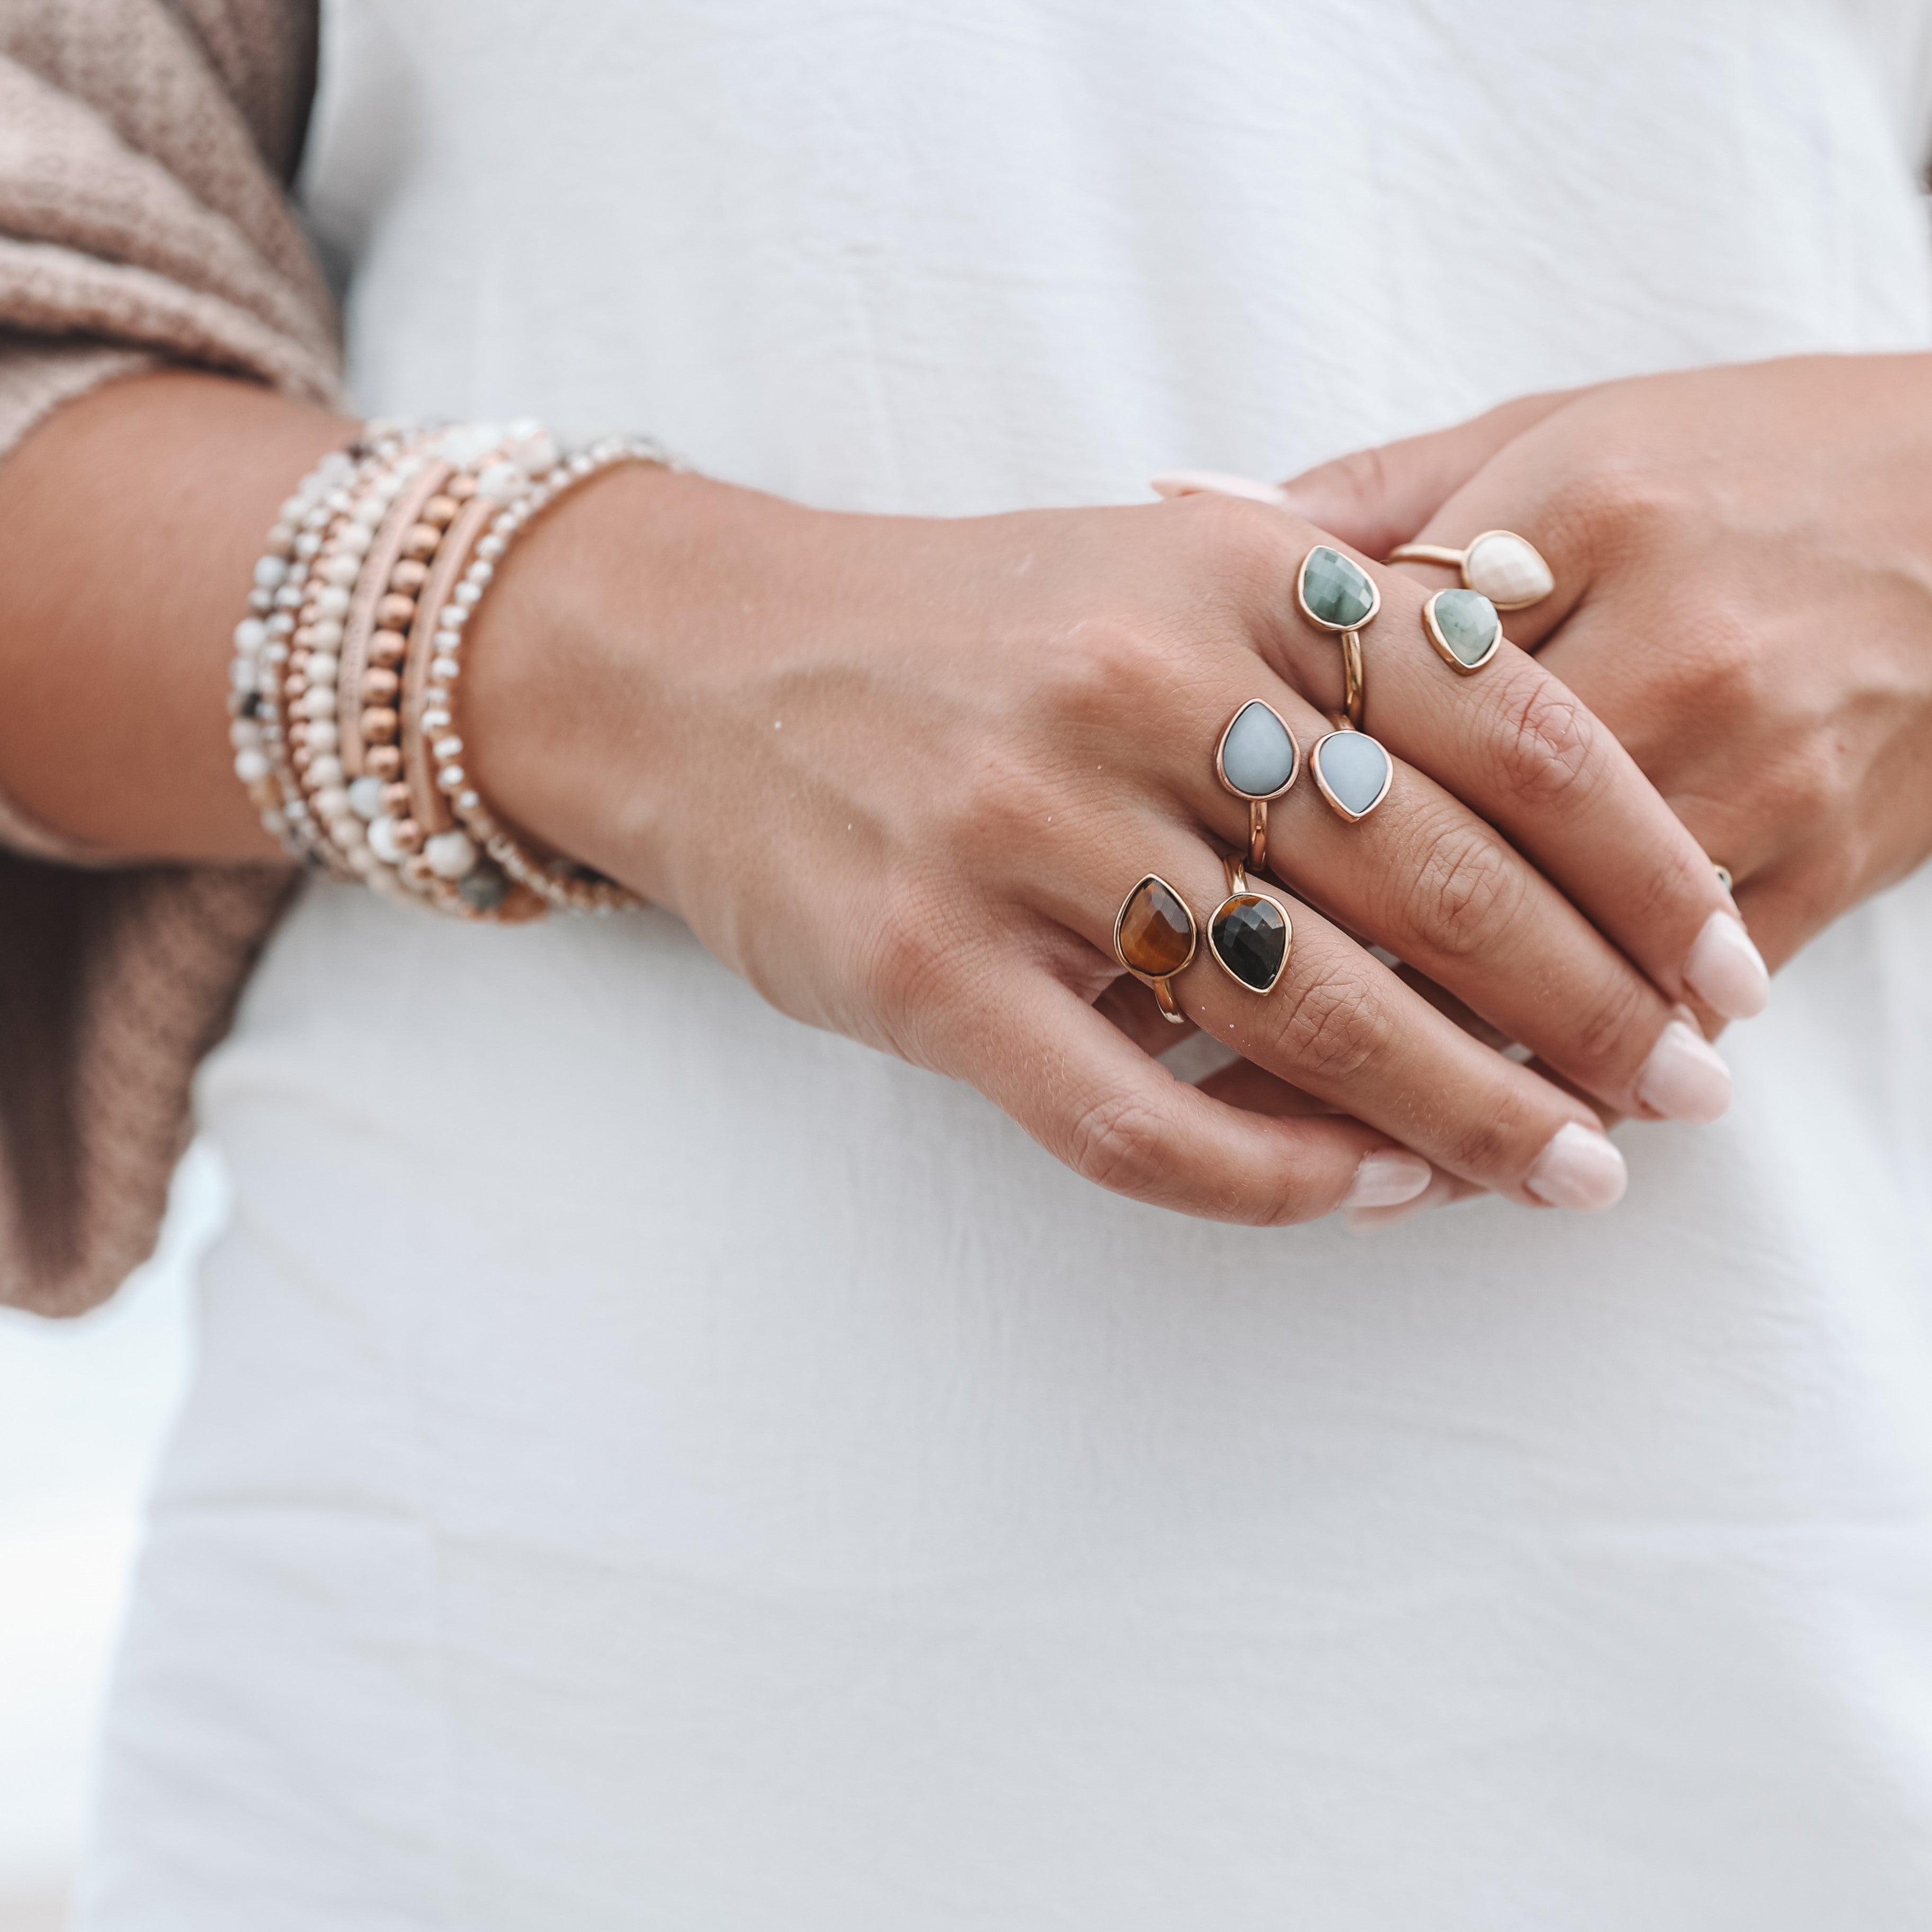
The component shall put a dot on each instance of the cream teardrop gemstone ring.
(1257, 760)
(1507, 569)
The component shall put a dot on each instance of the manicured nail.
(1579, 1168)
(1214, 483)
(1726, 971)
(1386, 1179)
(1684, 1078)
(1441, 1190)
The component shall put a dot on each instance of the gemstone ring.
(1465, 628)
(1507, 569)
(1257, 760)
(1335, 593)
(1250, 934)
(1155, 938)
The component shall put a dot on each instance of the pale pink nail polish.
(1726, 971)
(1579, 1168)
(1441, 1190)
(1684, 1078)
(1386, 1179)
(1214, 483)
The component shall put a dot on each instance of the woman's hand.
(1744, 569)
(900, 774)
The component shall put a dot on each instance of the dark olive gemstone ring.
(1155, 938)
(1250, 934)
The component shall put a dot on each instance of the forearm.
(129, 523)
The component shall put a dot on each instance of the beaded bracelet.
(344, 673)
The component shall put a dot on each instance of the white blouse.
(650, 1463)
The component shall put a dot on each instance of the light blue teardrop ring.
(1352, 771)
(1257, 760)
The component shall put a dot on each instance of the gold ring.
(1335, 593)
(1507, 569)
(1463, 626)
(1257, 760)
(1155, 938)
(1250, 934)
(1352, 771)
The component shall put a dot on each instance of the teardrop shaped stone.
(1507, 569)
(1466, 621)
(1336, 589)
(1249, 936)
(1257, 755)
(1157, 931)
(1354, 768)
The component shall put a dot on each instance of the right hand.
(899, 773)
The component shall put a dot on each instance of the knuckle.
(910, 953)
(1466, 892)
(1613, 500)
(1334, 1026)
(1610, 1027)
(1241, 540)
(1484, 1143)
(1117, 1143)
(1546, 742)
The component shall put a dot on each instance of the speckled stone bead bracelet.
(344, 673)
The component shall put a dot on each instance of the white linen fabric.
(652, 1464)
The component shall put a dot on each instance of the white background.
(84, 1407)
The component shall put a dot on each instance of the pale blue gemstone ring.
(1257, 760)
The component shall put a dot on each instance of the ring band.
(1507, 569)
(1257, 759)
(1352, 677)
(1249, 933)
(1155, 938)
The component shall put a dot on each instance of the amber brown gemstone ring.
(1155, 938)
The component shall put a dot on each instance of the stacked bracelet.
(345, 671)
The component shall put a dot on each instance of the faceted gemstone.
(1355, 771)
(1257, 754)
(1336, 591)
(1507, 569)
(1249, 936)
(1157, 931)
(1466, 621)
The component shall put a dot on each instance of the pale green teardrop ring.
(1352, 771)
(1465, 628)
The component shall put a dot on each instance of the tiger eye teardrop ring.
(1155, 938)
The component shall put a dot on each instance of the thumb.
(1375, 499)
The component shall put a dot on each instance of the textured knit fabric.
(144, 147)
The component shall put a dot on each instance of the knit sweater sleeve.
(145, 146)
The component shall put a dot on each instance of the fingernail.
(1684, 1078)
(1726, 971)
(1386, 1179)
(1214, 483)
(1579, 1168)
(1441, 1189)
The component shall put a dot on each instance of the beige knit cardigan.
(145, 146)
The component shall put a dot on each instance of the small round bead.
(388, 647)
(333, 602)
(379, 725)
(452, 777)
(480, 572)
(435, 719)
(270, 572)
(439, 512)
(450, 855)
(379, 686)
(420, 540)
(444, 669)
(324, 668)
(354, 538)
(245, 735)
(396, 800)
(383, 761)
(466, 594)
(251, 767)
(341, 569)
(281, 624)
(261, 601)
(250, 634)
(325, 770)
(407, 835)
(491, 546)
(288, 598)
(326, 632)
(300, 757)
(393, 612)
(365, 797)
(318, 701)
(461, 488)
(447, 749)
(331, 801)
(323, 735)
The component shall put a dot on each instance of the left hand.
(1743, 559)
